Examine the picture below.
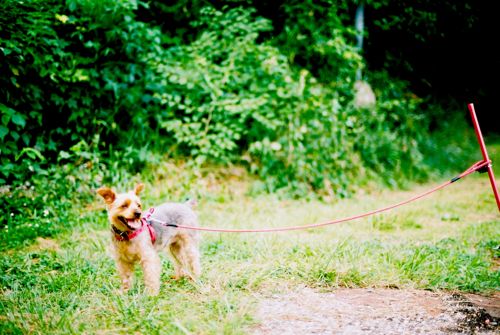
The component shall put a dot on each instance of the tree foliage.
(215, 83)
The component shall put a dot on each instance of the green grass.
(68, 284)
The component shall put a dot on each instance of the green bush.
(229, 97)
(318, 36)
(71, 71)
(226, 88)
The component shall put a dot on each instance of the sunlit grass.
(68, 284)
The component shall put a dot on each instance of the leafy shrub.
(71, 71)
(226, 94)
(227, 89)
(317, 36)
(229, 97)
(216, 91)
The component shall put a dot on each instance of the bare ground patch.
(377, 311)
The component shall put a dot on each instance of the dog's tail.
(192, 202)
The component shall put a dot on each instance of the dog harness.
(127, 236)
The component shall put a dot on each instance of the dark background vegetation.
(96, 92)
(445, 49)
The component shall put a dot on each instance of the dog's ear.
(138, 188)
(108, 194)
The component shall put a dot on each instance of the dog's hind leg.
(175, 255)
(189, 257)
(193, 259)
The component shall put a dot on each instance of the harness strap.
(152, 233)
(127, 236)
(150, 228)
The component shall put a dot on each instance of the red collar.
(127, 236)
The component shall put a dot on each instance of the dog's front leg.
(151, 266)
(126, 271)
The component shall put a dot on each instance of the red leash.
(480, 165)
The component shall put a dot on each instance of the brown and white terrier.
(136, 239)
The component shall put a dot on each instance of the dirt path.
(377, 311)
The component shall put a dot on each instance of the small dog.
(137, 239)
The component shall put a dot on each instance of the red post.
(485, 153)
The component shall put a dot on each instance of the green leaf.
(31, 153)
(3, 131)
(15, 135)
(19, 120)
(6, 51)
(26, 138)
(5, 119)
(7, 110)
(64, 155)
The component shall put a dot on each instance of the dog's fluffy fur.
(124, 212)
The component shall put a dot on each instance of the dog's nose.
(137, 215)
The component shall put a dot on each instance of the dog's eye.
(124, 206)
(139, 205)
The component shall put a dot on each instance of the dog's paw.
(184, 276)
